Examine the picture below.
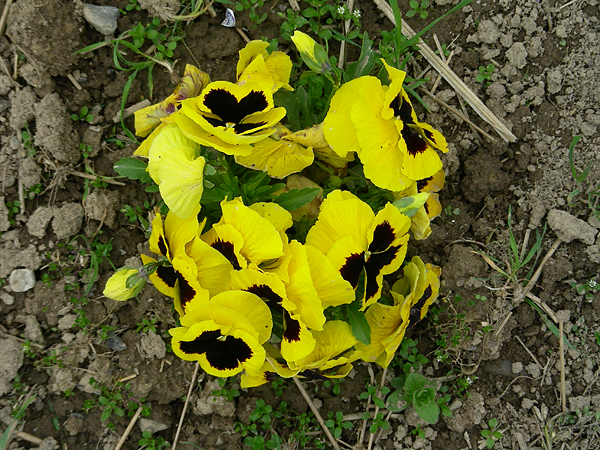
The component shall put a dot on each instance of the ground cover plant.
(506, 356)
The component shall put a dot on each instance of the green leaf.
(485, 433)
(296, 198)
(414, 382)
(493, 422)
(429, 412)
(133, 168)
(360, 327)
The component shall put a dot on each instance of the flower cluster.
(250, 298)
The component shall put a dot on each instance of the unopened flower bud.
(124, 284)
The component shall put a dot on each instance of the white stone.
(22, 280)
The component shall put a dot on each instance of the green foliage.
(518, 260)
(227, 393)
(27, 141)
(150, 443)
(13, 207)
(111, 405)
(83, 115)
(582, 183)
(416, 390)
(491, 435)
(135, 214)
(262, 420)
(17, 415)
(251, 5)
(147, 326)
(133, 5)
(337, 424)
(586, 289)
(485, 73)
(335, 385)
(418, 9)
(133, 168)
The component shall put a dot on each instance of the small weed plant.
(485, 73)
(418, 9)
(491, 435)
(83, 115)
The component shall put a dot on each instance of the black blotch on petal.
(373, 266)
(220, 354)
(162, 245)
(267, 294)
(228, 354)
(415, 144)
(252, 103)
(224, 104)
(415, 310)
(405, 112)
(227, 250)
(241, 127)
(215, 122)
(292, 329)
(201, 344)
(186, 291)
(352, 268)
(383, 237)
(422, 183)
(167, 275)
(426, 206)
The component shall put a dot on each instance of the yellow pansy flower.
(356, 240)
(380, 124)
(226, 335)
(230, 117)
(413, 293)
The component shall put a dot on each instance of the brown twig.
(187, 400)
(96, 177)
(315, 411)
(132, 422)
(561, 346)
(4, 15)
(372, 435)
(456, 112)
(29, 437)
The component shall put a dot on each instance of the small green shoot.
(83, 115)
(491, 435)
(150, 443)
(485, 73)
(147, 326)
(337, 424)
(418, 8)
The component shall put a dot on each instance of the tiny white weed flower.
(341, 9)
(357, 13)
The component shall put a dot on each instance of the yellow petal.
(262, 242)
(182, 183)
(338, 219)
(301, 290)
(251, 307)
(338, 127)
(279, 158)
(169, 140)
(331, 288)
(250, 52)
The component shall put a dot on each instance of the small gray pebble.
(21, 280)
